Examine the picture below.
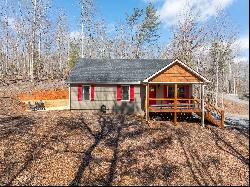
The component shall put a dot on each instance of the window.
(170, 92)
(86, 92)
(181, 92)
(125, 93)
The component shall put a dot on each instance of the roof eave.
(110, 82)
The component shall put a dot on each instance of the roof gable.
(177, 72)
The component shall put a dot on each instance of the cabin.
(140, 86)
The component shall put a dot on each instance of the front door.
(152, 94)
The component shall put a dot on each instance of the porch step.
(209, 109)
(208, 117)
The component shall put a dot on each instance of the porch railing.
(175, 104)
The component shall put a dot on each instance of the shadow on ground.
(118, 150)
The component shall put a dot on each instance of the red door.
(152, 94)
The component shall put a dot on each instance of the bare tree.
(188, 36)
(87, 22)
(223, 37)
(61, 42)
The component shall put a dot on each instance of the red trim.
(92, 93)
(119, 93)
(152, 94)
(132, 93)
(79, 92)
(186, 91)
(165, 93)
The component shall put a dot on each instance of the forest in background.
(35, 46)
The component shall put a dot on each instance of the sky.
(114, 11)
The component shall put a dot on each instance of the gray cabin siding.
(106, 95)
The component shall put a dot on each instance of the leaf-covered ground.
(74, 148)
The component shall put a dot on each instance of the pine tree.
(144, 26)
(150, 25)
(74, 53)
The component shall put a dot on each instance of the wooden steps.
(208, 115)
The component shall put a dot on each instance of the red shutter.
(92, 92)
(186, 91)
(79, 92)
(165, 93)
(132, 93)
(119, 93)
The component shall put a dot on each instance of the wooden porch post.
(222, 118)
(202, 105)
(147, 101)
(200, 92)
(175, 104)
(69, 97)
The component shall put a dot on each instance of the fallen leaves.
(61, 147)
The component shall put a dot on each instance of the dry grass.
(57, 104)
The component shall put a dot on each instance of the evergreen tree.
(150, 25)
(144, 26)
(74, 53)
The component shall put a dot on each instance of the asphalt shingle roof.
(115, 70)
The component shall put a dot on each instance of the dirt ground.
(75, 148)
(45, 95)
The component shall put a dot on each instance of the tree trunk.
(33, 42)
(217, 84)
(82, 37)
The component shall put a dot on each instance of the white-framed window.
(125, 89)
(86, 93)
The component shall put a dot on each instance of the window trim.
(128, 92)
(83, 99)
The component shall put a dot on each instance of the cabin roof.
(114, 70)
(117, 70)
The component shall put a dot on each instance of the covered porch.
(173, 98)
(171, 90)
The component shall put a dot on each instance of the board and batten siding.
(106, 95)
